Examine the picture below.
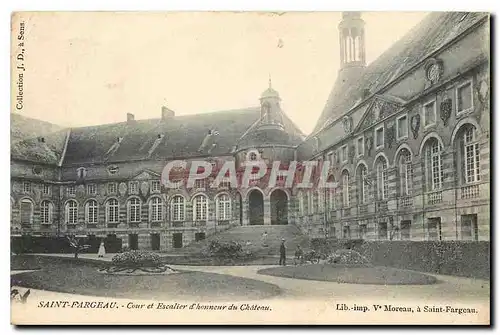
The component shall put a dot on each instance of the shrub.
(225, 250)
(347, 256)
(137, 259)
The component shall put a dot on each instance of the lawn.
(353, 275)
(82, 277)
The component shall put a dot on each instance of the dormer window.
(155, 186)
(81, 173)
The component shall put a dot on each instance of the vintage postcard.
(250, 168)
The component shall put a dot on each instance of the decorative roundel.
(434, 70)
(112, 169)
(37, 170)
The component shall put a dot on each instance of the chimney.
(130, 117)
(166, 113)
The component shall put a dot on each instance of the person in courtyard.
(102, 250)
(264, 239)
(282, 252)
(299, 255)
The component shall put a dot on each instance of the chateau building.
(407, 137)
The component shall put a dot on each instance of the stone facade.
(411, 157)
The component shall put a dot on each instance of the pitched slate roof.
(430, 34)
(47, 149)
(176, 137)
(22, 127)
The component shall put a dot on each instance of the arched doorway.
(279, 208)
(255, 208)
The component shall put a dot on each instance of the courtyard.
(61, 273)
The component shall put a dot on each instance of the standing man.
(282, 252)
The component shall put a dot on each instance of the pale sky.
(94, 68)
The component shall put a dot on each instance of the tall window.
(46, 189)
(46, 212)
(112, 188)
(405, 172)
(112, 211)
(91, 189)
(133, 187)
(464, 97)
(134, 210)
(71, 212)
(91, 212)
(362, 183)
(471, 155)
(434, 162)
(26, 187)
(301, 204)
(345, 188)
(155, 186)
(200, 208)
(26, 212)
(402, 128)
(382, 187)
(71, 190)
(223, 207)
(310, 201)
(178, 208)
(156, 209)
(430, 113)
(379, 137)
(360, 148)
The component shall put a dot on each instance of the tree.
(76, 245)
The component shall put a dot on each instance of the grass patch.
(351, 274)
(26, 262)
(81, 277)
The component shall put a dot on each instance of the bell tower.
(352, 40)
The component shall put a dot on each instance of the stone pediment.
(379, 109)
(146, 175)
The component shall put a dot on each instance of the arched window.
(134, 210)
(433, 165)
(405, 172)
(112, 211)
(223, 207)
(91, 212)
(71, 212)
(156, 209)
(470, 155)
(345, 189)
(200, 208)
(46, 212)
(382, 187)
(178, 208)
(361, 180)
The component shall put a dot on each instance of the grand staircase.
(250, 237)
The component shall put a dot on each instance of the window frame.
(461, 85)
(89, 189)
(115, 188)
(361, 152)
(226, 207)
(344, 158)
(398, 136)
(115, 207)
(432, 101)
(87, 212)
(69, 214)
(378, 145)
(155, 186)
(46, 212)
(27, 188)
(203, 210)
(137, 209)
(181, 208)
(156, 209)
